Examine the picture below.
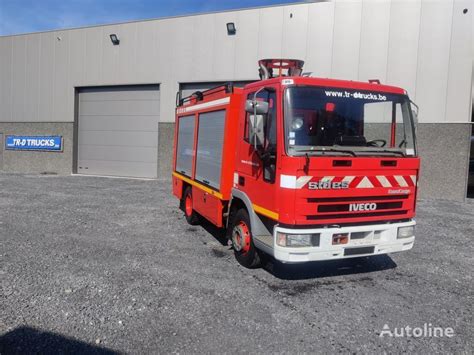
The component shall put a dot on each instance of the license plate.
(359, 251)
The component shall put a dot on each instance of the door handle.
(241, 181)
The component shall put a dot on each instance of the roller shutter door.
(118, 131)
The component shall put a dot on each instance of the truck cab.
(321, 169)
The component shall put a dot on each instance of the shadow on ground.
(312, 270)
(330, 268)
(27, 340)
(218, 233)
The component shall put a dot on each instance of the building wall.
(165, 148)
(39, 161)
(422, 46)
(444, 149)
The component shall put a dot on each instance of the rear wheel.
(242, 242)
(187, 203)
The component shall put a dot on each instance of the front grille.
(356, 199)
(346, 207)
(356, 215)
(351, 207)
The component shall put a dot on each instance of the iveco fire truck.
(298, 167)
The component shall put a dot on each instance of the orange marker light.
(342, 238)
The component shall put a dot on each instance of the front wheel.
(242, 242)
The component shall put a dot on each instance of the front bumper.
(378, 239)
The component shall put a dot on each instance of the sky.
(24, 16)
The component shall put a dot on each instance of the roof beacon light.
(293, 67)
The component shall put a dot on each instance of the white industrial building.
(113, 104)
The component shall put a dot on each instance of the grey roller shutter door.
(118, 131)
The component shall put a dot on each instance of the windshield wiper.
(389, 151)
(321, 150)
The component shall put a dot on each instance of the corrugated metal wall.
(423, 46)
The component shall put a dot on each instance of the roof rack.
(200, 95)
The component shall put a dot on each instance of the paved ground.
(99, 264)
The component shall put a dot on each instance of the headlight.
(297, 123)
(406, 232)
(297, 240)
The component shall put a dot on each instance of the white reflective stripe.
(365, 183)
(384, 181)
(288, 181)
(302, 180)
(236, 178)
(292, 182)
(218, 102)
(401, 180)
(348, 179)
(413, 178)
(327, 178)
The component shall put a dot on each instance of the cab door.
(256, 168)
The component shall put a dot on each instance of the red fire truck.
(300, 168)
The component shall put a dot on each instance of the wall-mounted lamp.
(231, 28)
(115, 40)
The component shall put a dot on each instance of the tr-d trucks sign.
(45, 143)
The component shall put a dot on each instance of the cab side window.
(269, 148)
(247, 120)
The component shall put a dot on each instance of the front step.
(264, 242)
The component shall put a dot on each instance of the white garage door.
(118, 131)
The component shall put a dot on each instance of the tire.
(191, 215)
(241, 237)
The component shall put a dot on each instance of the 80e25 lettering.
(325, 185)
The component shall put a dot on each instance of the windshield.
(337, 121)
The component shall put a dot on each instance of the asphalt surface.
(104, 265)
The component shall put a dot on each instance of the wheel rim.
(188, 204)
(241, 237)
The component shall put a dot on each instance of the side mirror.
(256, 130)
(256, 107)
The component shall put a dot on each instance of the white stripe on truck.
(204, 105)
(401, 181)
(384, 181)
(298, 182)
(293, 182)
